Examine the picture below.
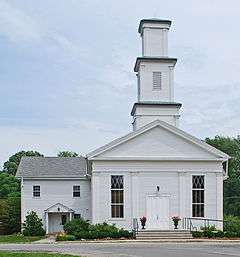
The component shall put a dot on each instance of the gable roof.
(51, 167)
(197, 142)
(63, 208)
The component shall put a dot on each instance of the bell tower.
(155, 76)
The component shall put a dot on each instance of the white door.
(55, 222)
(157, 212)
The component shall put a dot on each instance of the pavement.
(134, 249)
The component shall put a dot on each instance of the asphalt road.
(133, 249)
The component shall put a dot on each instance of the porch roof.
(58, 207)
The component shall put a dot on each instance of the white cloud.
(16, 26)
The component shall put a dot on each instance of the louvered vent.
(157, 80)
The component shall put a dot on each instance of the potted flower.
(143, 221)
(175, 220)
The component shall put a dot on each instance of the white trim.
(55, 178)
(97, 172)
(139, 158)
(166, 126)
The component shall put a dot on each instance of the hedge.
(82, 229)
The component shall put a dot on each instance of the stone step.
(168, 231)
(163, 234)
(164, 231)
(163, 238)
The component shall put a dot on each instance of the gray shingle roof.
(49, 167)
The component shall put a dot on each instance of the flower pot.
(175, 224)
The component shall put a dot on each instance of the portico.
(56, 216)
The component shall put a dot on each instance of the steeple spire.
(155, 72)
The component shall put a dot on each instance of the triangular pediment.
(58, 207)
(158, 140)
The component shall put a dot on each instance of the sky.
(66, 70)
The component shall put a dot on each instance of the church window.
(117, 195)
(76, 191)
(157, 80)
(36, 191)
(198, 196)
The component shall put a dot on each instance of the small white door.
(56, 221)
(157, 212)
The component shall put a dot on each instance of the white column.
(219, 197)
(46, 221)
(71, 216)
(135, 194)
(171, 82)
(182, 194)
(95, 197)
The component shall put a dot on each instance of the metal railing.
(196, 223)
(135, 227)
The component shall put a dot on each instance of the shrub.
(76, 225)
(65, 237)
(33, 225)
(197, 233)
(82, 229)
(232, 224)
(230, 234)
(219, 233)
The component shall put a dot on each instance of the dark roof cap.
(152, 103)
(152, 21)
(156, 59)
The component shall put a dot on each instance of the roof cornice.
(151, 21)
(154, 59)
(159, 104)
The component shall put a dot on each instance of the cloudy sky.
(66, 69)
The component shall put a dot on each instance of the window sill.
(117, 219)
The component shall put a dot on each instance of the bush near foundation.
(64, 237)
(231, 229)
(82, 229)
(33, 225)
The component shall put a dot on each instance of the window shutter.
(157, 80)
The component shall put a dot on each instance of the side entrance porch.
(56, 216)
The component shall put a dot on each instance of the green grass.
(18, 238)
(17, 254)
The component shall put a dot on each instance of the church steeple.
(155, 72)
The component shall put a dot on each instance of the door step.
(163, 234)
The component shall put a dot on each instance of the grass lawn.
(15, 254)
(18, 239)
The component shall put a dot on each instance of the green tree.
(9, 185)
(33, 225)
(231, 146)
(10, 215)
(67, 154)
(11, 165)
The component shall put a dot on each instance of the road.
(133, 249)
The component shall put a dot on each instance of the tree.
(231, 146)
(10, 215)
(11, 165)
(67, 154)
(33, 225)
(9, 185)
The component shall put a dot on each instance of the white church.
(157, 170)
